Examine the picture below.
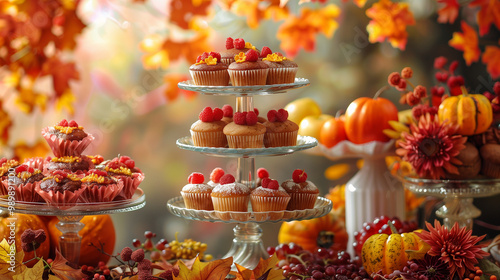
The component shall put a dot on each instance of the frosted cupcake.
(303, 193)
(25, 180)
(99, 187)
(269, 197)
(208, 130)
(231, 196)
(248, 70)
(245, 131)
(209, 70)
(60, 189)
(279, 130)
(67, 138)
(123, 168)
(196, 194)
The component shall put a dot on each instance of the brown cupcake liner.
(209, 139)
(248, 77)
(61, 200)
(61, 147)
(198, 201)
(301, 201)
(265, 204)
(245, 141)
(210, 78)
(232, 204)
(23, 192)
(280, 139)
(281, 76)
(227, 60)
(130, 184)
(100, 194)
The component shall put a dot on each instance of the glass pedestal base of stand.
(70, 241)
(247, 248)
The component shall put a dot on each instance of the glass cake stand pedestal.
(69, 217)
(457, 196)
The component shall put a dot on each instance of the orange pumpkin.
(471, 112)
(332, 132)
(23, 223)
(324, 232)
(98, 229)
(366, 118)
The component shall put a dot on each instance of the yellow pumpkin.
(326, 232)
(471, 112)
(391, 252)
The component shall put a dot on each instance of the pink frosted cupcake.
(99, 187)
(215, 176)
(67, 139)
(303, 193)
(231, 196)
(209, 70)
(248, 70)
(279, 130)
(269, 197)
(208, 130)
(60, 189)
(25, 180)
(196, 194)
(245, 131)
(123, 168)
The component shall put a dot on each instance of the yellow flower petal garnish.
(210, 60)
(66, 129)
(249, 45)
(273, 57)
(241, 57)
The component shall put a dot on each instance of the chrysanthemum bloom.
(456, 247)
(431, 147)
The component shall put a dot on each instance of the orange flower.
(254, 11)
(297, 32)
(466, 42)
(491, 57)
(389, 21)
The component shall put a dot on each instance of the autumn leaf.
(449, 12)
(28, 99)
(466, 42)
(264, 267)
(189, 49)
(155, 56)
(65, 102)
(60, 268)
(359, 3)
(34, 273)
(389, 21)
(183, 11)
(213, 270)
(22, 151)
(71, 27)
(5, 125)
(299, 32)
(491, 57)
(256, 10)
(5, 250)
(62, 73)
(489, 13)
(172, 91)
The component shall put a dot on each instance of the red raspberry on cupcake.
(234, 47)
(245, 131)
(209, 70)
(279, 130)
(207, 131)
(303, 193)
(215, 176)
(196, 193)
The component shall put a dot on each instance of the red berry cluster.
(277, 116)
(447, 77)
(299, 176)
(216, 174)
(24, 168)
(239, 43)
(400, 81)
(205, 55)
(227, 179)
(252, 55)
(227, 111)
(422, 109)
(32, 239)
(494, 98)
(59, 174)
(265, 51)
(156, 251)
(65, 123)
(97, 172)
(101, 272)
(245, 118)
(270, 183)
(209, 115)
(196, 178)
(122, 161)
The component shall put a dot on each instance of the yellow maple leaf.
(466, 42)
(34, 273)
(66, 102)
(27, 99)
(297, 32)
(388, 22)
(491, 57)
(267, 266)
(255, 11)
(214, 270)
(8, 269)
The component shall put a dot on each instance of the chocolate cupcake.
(67, 138)
(72, 164)
(490, 154)
(25, 180)
(60, 189)
(123, 168)
(99, 187)
(248, 70)
(209, 70)
(471, 163)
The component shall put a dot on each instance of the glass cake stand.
(457, 195)
(69, 219)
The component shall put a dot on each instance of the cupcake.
(196, 194)
(261, 174)
(281, 69)
(471, 163)
(209, 70)
(248, 70)
(123, 168)
(72, 164)
(215, 176)
(227, 113)
(60, 189)
(490, 155)
(25, 180)
(234, 47)
(303, 193)
(99, 187)
(231, 196)
(269, 197)
(35, 162)
(279, 130)
(245, 131)
(5, 165)
(67, 139)
(208, 130)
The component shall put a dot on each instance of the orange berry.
(477, 277)
(479, 272)
(493, 277)
(471, 275)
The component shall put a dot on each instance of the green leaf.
(488, 269)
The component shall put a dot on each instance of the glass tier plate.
(472, 188)
(243, 90)
(177, 207)
(303, 142)
(137, 201)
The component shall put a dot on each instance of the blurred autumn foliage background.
(114, 65)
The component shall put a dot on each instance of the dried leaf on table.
(60, 268)
(213, 270)
(488, 14)
(265, 269)
(6, 270)
(466, 42)
(449, 12)
(34, 273)
(491, 57)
